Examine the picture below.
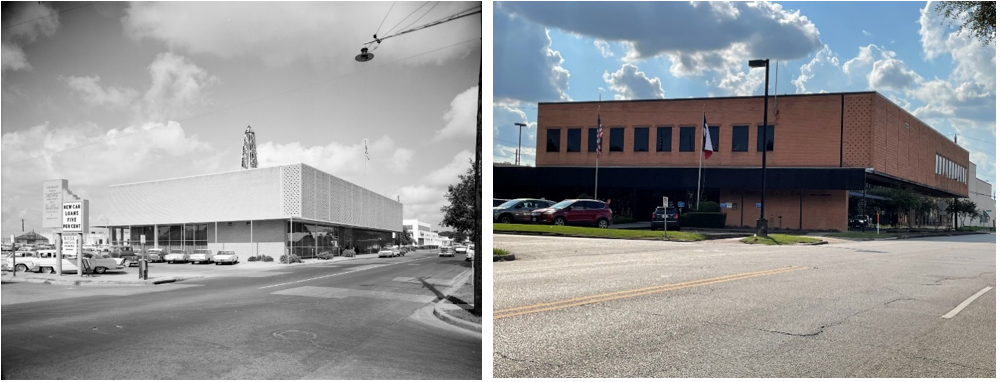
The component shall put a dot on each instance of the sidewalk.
(454, 308)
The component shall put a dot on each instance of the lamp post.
(762, 222)
(517, 161)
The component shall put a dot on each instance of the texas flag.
(600, 134)
(706, 137)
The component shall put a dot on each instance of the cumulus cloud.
(824, 64)
(424, 200)
(629, 83)
(765, 29)
(94, 95)
(346, 161)
(460, 119)
(505, 133)
(604, 47)
(95, 157)
(326, 34)
(522, 56)
(891, 73)
(28, 21)
(177, 89)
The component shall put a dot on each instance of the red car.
(575, 212)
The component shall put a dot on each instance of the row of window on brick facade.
(951, 170)
(664, 139)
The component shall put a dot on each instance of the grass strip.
(609, 233)
(779, 239)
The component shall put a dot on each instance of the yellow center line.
(543, 307)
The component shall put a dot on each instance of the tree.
(964, 208)
(979, 17)
(406, 237)
(460, 212)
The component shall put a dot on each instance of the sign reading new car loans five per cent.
(76, 216)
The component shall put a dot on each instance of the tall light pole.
(762, 222)
(517, 160)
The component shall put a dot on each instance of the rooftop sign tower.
(249, 150)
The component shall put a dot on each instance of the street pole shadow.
(441, 296)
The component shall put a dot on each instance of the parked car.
(446, 250)
(461, 249)
(388, 251)
(497, 202)
(201, 256)
(155, 255)
(672, 218)
(226, 257)
(176, 256)
(518, 210)
(575, 212)
(471, 255)
(859, 221)
(100, 262)
(125, 255)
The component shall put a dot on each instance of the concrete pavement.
(162, 273)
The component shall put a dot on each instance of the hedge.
(703, 219)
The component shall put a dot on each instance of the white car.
(176, 255)
(388, 251)
(461, 249)
(201, 256)
(226, 257)
(471, 255)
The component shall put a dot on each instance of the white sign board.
(74, 216)
(666, 202)
(142, 239)
(52, 201)
(70, 245)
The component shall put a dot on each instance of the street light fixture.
(517, 160)
(762, 222)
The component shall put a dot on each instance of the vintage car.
(155, 255)
(389, 251)
(45, 262)
(226, 257)
(201, 256)
(176, 256)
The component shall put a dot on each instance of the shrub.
(266, 258)
(325, 255)
(252, 258)
(623, 219)
(289, 259)
(709, 207)
(703, 219)
(349, 253)
(500, 252)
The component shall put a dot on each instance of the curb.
(444, 316)
(77, 282)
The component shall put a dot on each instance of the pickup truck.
(125, 256)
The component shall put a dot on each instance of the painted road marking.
(350, 270)
(966, 303)
(543, 307)
(328, 292)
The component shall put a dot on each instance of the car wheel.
(100, 270)
(559, 221)
(505, 219)
(603, 223)
(21, 268)
(48, 270)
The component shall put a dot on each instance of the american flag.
(600, 134)
(366, 150)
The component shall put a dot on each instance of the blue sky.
(112, 92)
(579, 51)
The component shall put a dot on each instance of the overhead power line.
(407, 16)
(384, 17)
(49, 15)
(238, 105)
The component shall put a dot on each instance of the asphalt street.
(361, 319)
(575, 307)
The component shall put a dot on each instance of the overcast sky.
(578, 51)
(112, 93)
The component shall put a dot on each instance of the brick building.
(263, 211)
(823, 148)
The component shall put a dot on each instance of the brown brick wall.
(820, 209)
(857, 130)
(806, 132)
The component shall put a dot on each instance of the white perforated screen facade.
(296, 191)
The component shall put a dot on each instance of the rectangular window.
(573, 140)
(592, 140)
(664, 138)
(617, 139)
(713, 133)
(552, 141)
(640, 142)
(741, 138)
(770, 138)
(687, 138)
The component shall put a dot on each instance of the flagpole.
(598, 163)
(701, 154)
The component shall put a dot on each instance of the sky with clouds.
(580, 51)
(110, 93)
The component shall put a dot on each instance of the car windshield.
(203, 251)
(566, 203)
(509, 203)
(226, 253)
(177, 251)
(860, 217)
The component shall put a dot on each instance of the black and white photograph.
(242, 190)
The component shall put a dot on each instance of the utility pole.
(477, 261)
